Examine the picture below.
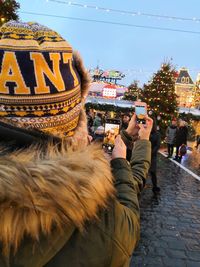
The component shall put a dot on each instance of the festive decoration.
(110, 91)
(9, 10)
(125, 12)
(158, 117)
(98, 74)
(133, 92)
(160, 96)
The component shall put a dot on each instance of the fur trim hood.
(38, 192)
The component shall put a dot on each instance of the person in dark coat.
(171, 137)
(181, 138)
(155, 139)
(125, 121)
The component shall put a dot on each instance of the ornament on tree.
(158, 117)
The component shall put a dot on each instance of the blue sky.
(137, 52)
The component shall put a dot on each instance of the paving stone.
(192, 264)
(157, 261)
(159, 244)
(194, 255)
(170, 222)
(178, 244)
(170, 232)
(168, 262)
(177, 254)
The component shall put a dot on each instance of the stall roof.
(107, 101)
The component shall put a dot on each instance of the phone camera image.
(141, 111)
(111, 132)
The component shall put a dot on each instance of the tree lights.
(9, 10)
(160, 96)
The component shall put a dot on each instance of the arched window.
(183, 80)
(187, 80)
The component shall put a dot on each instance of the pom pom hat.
(43, 84)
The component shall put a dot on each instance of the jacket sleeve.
(129, 177)
(167, 132)
(128, 183)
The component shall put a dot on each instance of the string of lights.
(111, 23)
(152, 71)
(125, 12)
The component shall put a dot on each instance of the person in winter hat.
(171, 137)
(62, 202)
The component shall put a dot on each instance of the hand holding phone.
(145, 130)
(133, 127)
(141, 112)
(119, 150)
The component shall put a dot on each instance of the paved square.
(170, 222)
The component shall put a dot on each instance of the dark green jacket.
(87, 240)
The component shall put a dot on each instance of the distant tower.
(184, 88)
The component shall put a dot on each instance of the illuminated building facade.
(184, 89)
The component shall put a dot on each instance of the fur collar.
(38, 192)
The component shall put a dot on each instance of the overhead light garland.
(125, 12)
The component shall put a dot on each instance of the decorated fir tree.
(133, 92)
(8, 10)
(160, 96)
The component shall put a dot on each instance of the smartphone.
(112, 129)
(140, 111)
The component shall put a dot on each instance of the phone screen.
(140, 111)
(111, 132)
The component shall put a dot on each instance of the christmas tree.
(133, 92)
(160, 96)
(9, 10)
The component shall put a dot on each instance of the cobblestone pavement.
(170, 222)
(192, 161)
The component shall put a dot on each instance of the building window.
(183, 80)
(187, 80)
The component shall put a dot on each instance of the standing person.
(181, 138)
(155, 139)
(99, 134)
(170, 137)
(125, 121)
(62, 201)
(89, 123)
(124, 125)
(97, 121)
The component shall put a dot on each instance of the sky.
(137, 52)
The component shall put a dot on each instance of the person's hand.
(133, 127)
(119, 150)
(90, 138)
(145, 129)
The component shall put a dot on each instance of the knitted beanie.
(43, 83)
